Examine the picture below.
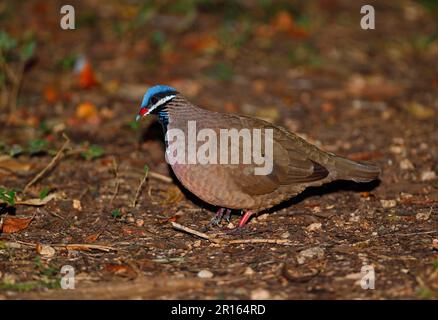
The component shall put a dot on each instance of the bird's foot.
(222, 213)
(244, 219)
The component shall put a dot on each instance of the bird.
(296, 163)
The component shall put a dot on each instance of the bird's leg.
(244, 218)
(217, 217)
(227, 215)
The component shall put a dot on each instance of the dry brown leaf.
(92, 237)
(87, 77)
(45, 250)
(123, 270)
(15, 166)
(86, 110)
(12, 224)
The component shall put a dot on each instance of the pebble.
(314, 227)
(46, 251)
(248, 271)
(428, 175)
(423, 216)
(139, 222)
(315, 252)
(396, 149)
(435, 244)
(260, 294)
(388, 203)
(406, 164)
(197, 244)
(77, 204)
(285, 235)
(205, 274)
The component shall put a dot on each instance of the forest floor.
(369, 95)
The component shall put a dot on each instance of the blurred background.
(370, 95)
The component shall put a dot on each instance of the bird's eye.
(154, 100)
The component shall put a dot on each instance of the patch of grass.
(134, 125)
(21, 286)
(116, 213)
(68, 62)
(15, 54)
(44, 193)
(423, 42)
(425, 293)
(158, 39)
(37, 146)
(48, 279)
(8, 196)
(48, 271)
(430, 5)
(93, 152)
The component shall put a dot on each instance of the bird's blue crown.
(155, 90)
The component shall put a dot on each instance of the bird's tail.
(357, 171)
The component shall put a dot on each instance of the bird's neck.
(177, 112)
(163, 117)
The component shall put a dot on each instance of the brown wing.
(291, 165)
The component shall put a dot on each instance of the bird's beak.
(143, 112)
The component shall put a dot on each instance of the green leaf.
(44, 193)
(116, 213)
(158, 38)
(68, 62)
(93, 152)
(7, 196)
(7, 42)
(28, 50)
(134, 125)
(146, 169)
(37, 146)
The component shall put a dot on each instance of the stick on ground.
(140, 186)
(160, 177)
(51, 164)
(203, 235)
(178, 226)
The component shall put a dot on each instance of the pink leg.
(244, 218)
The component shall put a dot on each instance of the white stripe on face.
(160, 102)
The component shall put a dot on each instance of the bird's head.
(155, 100)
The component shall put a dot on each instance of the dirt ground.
(370, 95)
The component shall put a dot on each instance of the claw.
(217, 218)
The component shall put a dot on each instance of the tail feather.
(356, 171)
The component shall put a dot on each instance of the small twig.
(272, 241)
(140, 186)
(160, 177)
(72, 246)
(202, 235)
(16, 87)
(84, 246)
(116, 176)
(51, 164)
